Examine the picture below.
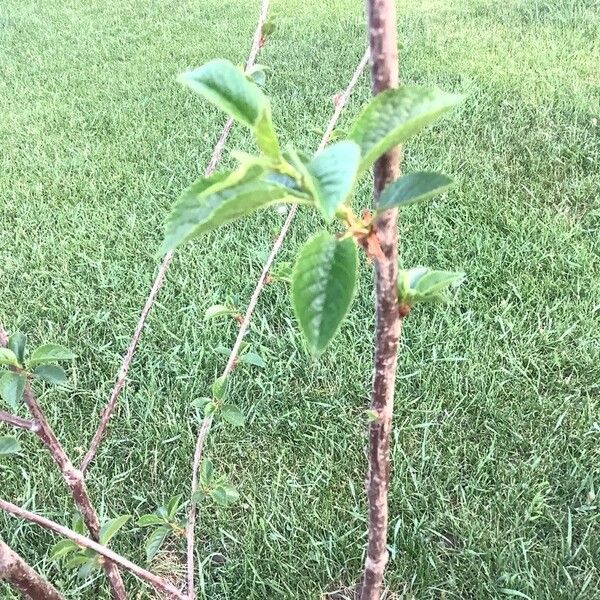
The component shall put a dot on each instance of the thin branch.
(207, 421)
(72, 476)
(18, 421)
(381, 15)
(154, 580)
(162, 271)
(23, 578)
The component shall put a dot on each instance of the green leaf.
(206, 472)
(217, 310)
(268, 28)
(17, 343)
(9, 445)
(87, 567)
(257, 75)
(51, 374)
(333, 173)
(173, 505)
(233, 415)
(252, 358)
(62, 548)
(421, 284)
(8, 357)
(111, 527)
(155, 541)
(219, 387)
(200, 403)
(149, 520)
(412, 188)
(228, 88)
(12, 386)
(225, 495)
(76, 561)
(49, 353)
(323, 284)
(395, 115)
(202, 209)
(210, 408)
(77, 524)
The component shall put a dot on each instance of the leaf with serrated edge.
(62, 548)
(395, 115)
(111, 527)
(12, 386)
(8, 357)
(412, 188)
(49, 353)
(333, 172)
(233, 415)
(323, 284)
(53, 374)
(155, 541)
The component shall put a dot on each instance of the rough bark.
(381, 16)
(23, 578)
(157, 582)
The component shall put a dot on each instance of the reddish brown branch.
(21, 577)
(18, 421)
(72, 476)
(162, 271)
(112, 557)
(384, 72)
(231, 361)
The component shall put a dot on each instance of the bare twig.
(384, 72)
(20, 576)
(72, 476)
(162, 271)
(18, 421)
(154, 580)
(207, 421)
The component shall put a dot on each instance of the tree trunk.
(20, 576)
(381, 17)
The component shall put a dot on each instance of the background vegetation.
(496, 454)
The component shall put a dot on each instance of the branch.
(384, 71)
(157, 582)
(207, 421)
(72, 476)
(23, 578)
(18, 422)
(162, 271)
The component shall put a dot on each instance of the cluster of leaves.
(217, 404)
(324, 275)
(85, 560)
(164, 522)
(216, 488)
(17, 369)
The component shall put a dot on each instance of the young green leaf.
(228, 88)
(200, 403)
(17, 343)
(333, 173)
(323, 284)
(111, 527)
(150, 520)
(62, 548)
(412, 188)
(395, 115)
(195, 214)
(77, 561)
(257, 75)
(49, 353)
(225, 495)
(217, 310)
(77, 524)
(51, 374)
(8, 357)
(233, 415)
(87, 567)
(155, 541)
(9, 445)
(219, 387)
(252, 358)
(206, 472)
(210, 408)
(421, 284)
(12, 386)
(173, 505)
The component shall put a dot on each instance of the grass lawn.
(496, 454)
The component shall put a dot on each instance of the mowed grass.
(496, 450)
